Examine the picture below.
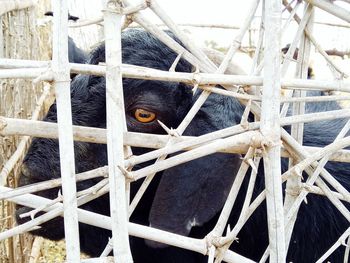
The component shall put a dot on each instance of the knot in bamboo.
(196, 78)
(212, 240)
(257, 140)
(128, 176)
(113, 6)
(47, 75)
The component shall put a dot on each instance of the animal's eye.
(144, 116)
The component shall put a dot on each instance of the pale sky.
(223, 12)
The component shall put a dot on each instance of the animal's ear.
(192, 193)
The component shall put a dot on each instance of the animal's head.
(189, 194)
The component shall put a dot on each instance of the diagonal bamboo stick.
(338, 243)
(332, 9)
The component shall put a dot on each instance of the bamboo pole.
(189, 78)
(98, 135)
(196, 153)
(115, 127)
(270, 128)
(64, 118)
(97, 20)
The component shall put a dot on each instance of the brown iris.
(144, 116)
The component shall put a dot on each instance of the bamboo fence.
(20, 37)
(265, 135)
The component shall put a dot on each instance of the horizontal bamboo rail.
(190, 78)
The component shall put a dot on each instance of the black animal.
(75, 54)
(184, 199)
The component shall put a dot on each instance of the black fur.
(189, 192)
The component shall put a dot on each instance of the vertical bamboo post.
(115, 128)
(60, 66)
(270, 128)
(1, 39)
(293, 184)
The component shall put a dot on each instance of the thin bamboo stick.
(198, 53)
(197, 153)
(297, 149)
(231, 198)
(337, 244)
(238, 39)
(290, 17)
(64, 118)
(292, 49)
(347, 250)
(27, 189)
(316, 190)
(270, 128)
(332, 9)
(98, 20)
(115, 126)
(231, 236)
